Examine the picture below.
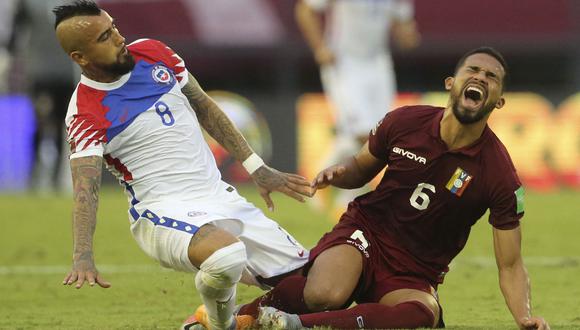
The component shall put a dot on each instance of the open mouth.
(473, 95)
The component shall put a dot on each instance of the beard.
(125, 65)
(466, 118)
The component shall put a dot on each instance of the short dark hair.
(76, 8)
(491, 52)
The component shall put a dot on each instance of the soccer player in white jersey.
(139, 109)
(351, 46)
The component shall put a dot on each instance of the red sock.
(288, 296)
(408, 315)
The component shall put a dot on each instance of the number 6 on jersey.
(419, 199)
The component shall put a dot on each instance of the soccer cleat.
(191, 323)
(272, 318)
(200, 321)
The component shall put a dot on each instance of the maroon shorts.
(378, 277)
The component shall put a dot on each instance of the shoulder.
(86, 104)
(501, 169)
(153, 51)
(496, 150)
(146, 45)
(506, 193)
(403, 121)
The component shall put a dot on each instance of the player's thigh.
(272, 251)
(206, 241)
(400, 296)
(171, 232)
(333, 277)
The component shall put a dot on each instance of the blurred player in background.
(393, 245)
(8, 13)
(50, 87)
(351, 46)
(138, 108)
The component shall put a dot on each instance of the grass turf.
(35, 253)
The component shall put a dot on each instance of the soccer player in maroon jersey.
(392, 247)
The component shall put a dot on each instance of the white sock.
(219, 303)
(216, 282)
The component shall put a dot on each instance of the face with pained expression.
(477, 88)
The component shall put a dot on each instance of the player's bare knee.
(206, 241)
(322, 298)
(434, 307)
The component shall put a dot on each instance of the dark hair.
(77, 8)
(491, 52)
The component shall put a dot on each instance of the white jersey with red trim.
(145, 128)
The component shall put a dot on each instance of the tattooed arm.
(221, 128)
(86, 175)
(215, 121)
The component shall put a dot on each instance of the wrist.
(252, 163)
(80, 255)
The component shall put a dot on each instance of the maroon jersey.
(422, 211)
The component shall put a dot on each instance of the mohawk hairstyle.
(491, 52)
(76, 8)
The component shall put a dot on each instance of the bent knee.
(224, 267)
(430, 309)
(428, 303)
(322, 298)
(206, 241)
(432, 305)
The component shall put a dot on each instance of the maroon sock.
(408, 315)
(288, 296)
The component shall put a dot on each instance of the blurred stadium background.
(252, 55)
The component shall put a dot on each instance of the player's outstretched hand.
(327, 176)
(84, 270)
(534, 322)
(268, 180)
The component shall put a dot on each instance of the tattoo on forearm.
(86, 173)
(215, 121)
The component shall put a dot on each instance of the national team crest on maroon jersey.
(459, 181)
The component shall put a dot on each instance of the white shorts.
(362, 91)
(164, 230)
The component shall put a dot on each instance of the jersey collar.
(105, 86)
(471, 150)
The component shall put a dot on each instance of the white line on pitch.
(481, 261)
(487, 262)
(62, 269)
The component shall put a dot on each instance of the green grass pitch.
(35, 253)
